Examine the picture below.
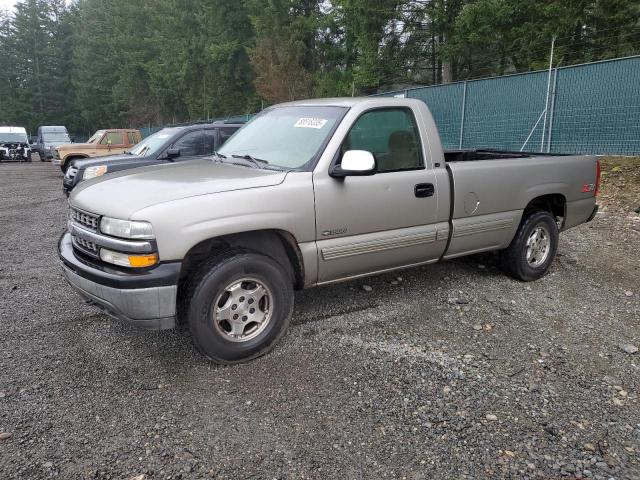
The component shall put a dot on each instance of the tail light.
(597, 177)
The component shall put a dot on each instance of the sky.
(8, 4)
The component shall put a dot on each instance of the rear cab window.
(132, 137)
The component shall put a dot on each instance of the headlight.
(127, 259)
(126, 228)
(93, 172)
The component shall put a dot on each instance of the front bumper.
(146, 299)
(56, 161)
(69, 180)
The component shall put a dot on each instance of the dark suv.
(171, 144)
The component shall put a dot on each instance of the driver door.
(190, 145)
(366, 224)
(112, 142)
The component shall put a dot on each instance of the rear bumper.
(145, 299)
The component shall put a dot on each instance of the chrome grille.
(84, 218)
(85, 246)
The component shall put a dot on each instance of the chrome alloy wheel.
(538, 246)
(243, 310)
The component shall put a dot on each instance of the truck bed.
(480, 154)
(489, 197)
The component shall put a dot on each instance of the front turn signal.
(139, 261)
(128, 260)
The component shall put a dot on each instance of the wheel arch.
(73, 156)
(554, 203)
(280, 245)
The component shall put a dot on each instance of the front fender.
(181, 224)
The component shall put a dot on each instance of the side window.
(113, 138)
(226, 132)
(209, 141)
(391, 135)
(190, 144)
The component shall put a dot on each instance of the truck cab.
(101, 143)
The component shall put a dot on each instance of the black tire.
(29, 157)
(514, 257)
(211, 280)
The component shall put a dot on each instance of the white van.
(14, 144)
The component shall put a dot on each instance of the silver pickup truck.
(309, 193)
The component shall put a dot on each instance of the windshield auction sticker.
(310, 123)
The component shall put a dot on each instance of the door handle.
(422, 190)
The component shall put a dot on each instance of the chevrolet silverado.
(309, 193)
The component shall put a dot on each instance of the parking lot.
(448, 371)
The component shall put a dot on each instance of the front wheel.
(239, 306)
(533, 249)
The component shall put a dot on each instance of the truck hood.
(107, 160)
(76, 146)
(123, 193)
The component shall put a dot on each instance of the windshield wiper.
(258, 162)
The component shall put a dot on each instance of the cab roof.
(13, 130)
(346, 102)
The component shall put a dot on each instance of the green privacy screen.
(592, 108)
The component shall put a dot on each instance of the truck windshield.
(153, 143)
(288, 137)
(7, 137)
(55, 137)
(96, 137)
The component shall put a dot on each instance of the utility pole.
(546, 103)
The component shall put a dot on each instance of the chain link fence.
(592, 108)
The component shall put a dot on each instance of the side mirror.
(354, 163)
(173, 152)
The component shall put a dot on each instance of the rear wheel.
(534, 247)
(239, 306)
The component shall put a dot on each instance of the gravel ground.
(447, 371)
